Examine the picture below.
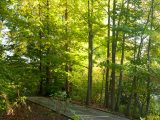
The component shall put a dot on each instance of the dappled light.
(94, 59)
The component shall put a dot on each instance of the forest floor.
(32, 111)
(75, 111)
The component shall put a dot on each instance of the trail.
(73, 110)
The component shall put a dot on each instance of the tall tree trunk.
(48, 73)
(133, 87)
(149, 61)
(40, 92)
(122, 60)
(90, 51)
(106, 101)
(114, 41)
(67, 50)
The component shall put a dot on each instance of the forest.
(103, 53)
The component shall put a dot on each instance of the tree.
(90, 51)
(149, 60)
(108, 62)
(114, 44)
(46, 46)
(122, 57)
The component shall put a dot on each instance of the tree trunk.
(40, 92)
(149, 62)
(40, 70)
(133, 82)
(67, 66)
(90, 51)
(122, 60)
(48, 73)
(114, 41)
(142, 38)
(103, 80)
(106, 101)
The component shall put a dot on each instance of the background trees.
(97, 51)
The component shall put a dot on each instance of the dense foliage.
(104, 52)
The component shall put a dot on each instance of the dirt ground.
(32, 111)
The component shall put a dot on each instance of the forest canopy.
(103, 52)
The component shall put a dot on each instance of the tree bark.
(48, 73)
(40, 92)
(122, 60)
(67, 66)
(133, 87)
(149, 62)
(90, 51)
(113, 78)
(106, 101)
(103, 80)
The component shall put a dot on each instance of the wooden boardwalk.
(73, 110)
